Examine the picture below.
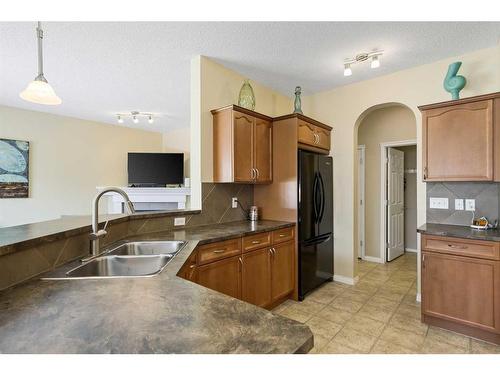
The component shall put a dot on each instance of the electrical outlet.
(179, 221)
(234, 202)
(470, 205)
(459, 204)
(439, 203)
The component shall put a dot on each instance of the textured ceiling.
(99, 69)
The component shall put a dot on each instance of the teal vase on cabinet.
(297, 105)
(453, 83)
(247, 97)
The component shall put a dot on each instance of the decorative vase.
(453, 83)
(298, 103)
(247, 97)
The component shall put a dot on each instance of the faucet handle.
(105, 225)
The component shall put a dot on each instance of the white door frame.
(361, 201)
(383, 191)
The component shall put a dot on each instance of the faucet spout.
(96, 232)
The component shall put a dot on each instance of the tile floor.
(377, 315)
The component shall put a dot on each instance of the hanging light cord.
(39, 34)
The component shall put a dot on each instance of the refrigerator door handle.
(322, 190)
(315, 203)
(317, 240)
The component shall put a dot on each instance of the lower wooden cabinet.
(256, 277)
(261, 274)
(222, 276)
(461, 286)
(282, 270)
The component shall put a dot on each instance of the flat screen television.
(155, 169)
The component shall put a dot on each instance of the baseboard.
(419, 297)
(345, 279)
(411, 250)
(373, 259)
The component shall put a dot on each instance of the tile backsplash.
(486, 195)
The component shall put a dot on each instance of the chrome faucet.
(96, 232)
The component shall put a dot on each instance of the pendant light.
(39, 91)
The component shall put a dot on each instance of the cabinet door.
(223, 276)
(306, 133)
(458, 142)
(323, 138)
(263, 150)
(256, 277)
(461, 289)
(283, 270)
(243, 147)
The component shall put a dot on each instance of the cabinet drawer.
(256, 241)
(457, 246)
(218, 250)
(283, 235)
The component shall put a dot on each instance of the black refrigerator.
(315, 220)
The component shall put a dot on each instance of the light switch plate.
(459, 204)
(470, 204)
(234, 202)
(179, 221)
(439, 203)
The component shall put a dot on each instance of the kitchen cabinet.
(282, 270)
(242, 146)
(257, 268)
(222, 276)
(460, 139)
(311, 135)
(460, 285)
(256, 277)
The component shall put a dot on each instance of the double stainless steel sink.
(129, 259)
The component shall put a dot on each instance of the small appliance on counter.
(253, 213)
(482, 223)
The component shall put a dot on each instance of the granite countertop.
(26, 235)
(161, 314)
(460, 231)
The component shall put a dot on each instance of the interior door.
(263, 150)
(243, 147)
(395, 204)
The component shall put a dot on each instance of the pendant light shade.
(39, 91)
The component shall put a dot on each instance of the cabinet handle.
(219, 251)
(252, 174)
(425, 173)
(319, 137)
(255, 242)
(462, 247)
(240, 264)
(423, 260)
(258, 173)
(192, 266)
(282, 235)
(274, 251)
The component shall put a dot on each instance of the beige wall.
(220, 86)
(395, 123)
(68, 159)
(343, 106)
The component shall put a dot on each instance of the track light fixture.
(362, 57)
(135, 116)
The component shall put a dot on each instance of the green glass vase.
(247, 97)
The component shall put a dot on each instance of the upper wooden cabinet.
(461, 139)
(311, 134)
(242, 146)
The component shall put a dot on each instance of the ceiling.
(99, 69)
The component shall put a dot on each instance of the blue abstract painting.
(14, 167)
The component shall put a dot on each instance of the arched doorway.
(380, 130)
